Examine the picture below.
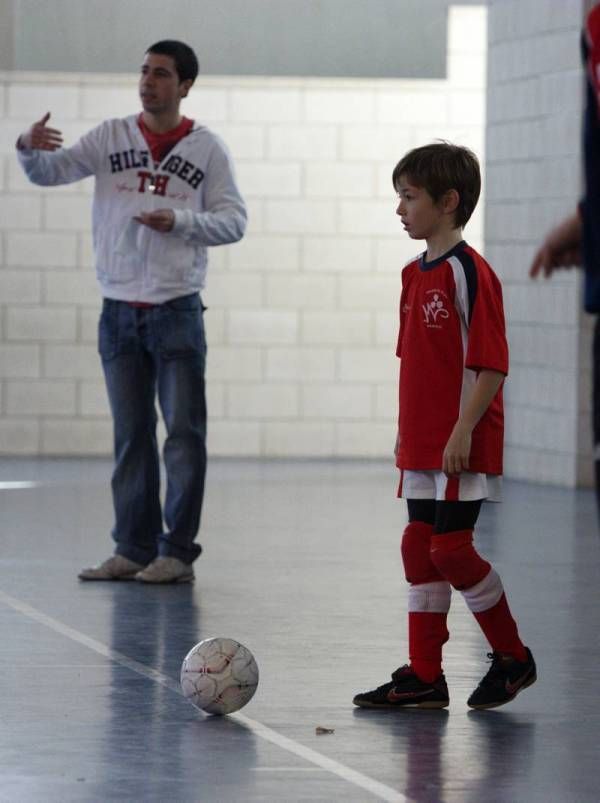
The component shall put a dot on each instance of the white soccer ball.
(219, 675)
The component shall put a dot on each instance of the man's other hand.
(159, 220)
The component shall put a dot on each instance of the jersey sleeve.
(402, 309)
(487, 347)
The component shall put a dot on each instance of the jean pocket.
(181, 331)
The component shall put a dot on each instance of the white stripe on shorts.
(467, 487)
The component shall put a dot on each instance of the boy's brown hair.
(439, 167)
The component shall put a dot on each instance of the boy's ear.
(450, 201)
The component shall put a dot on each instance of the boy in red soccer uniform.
(453, 361)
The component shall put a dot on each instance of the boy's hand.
(159, 220)
(397, 444)
(456, 454)
(41, 137)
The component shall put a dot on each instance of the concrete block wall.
(302, 317)
(534, 99)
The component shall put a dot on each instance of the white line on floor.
(16, 485)
(376, 788)
(380, 790)
(288, 769)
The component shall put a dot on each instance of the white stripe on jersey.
(461, 302)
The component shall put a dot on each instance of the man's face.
(160, 89)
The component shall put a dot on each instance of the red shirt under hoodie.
(161, 144)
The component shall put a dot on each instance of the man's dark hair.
(184, 57)
(440, 167)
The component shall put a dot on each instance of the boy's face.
(160, 89)
(421, 217)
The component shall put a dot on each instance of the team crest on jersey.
(434, 308)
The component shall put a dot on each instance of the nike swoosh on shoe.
(395, 697)
(513, 688)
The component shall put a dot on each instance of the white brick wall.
(534, 98)
(302, 314)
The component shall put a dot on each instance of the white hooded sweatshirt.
(195, 179)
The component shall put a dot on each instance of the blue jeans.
(146, 353)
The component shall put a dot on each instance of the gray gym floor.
(302, 565)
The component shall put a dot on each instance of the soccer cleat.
(166, 570)
(406, 691)
(115, 568)
(504, 680)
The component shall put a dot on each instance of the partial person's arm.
(560, 249)
(47, 163)
(458, 448)
(224, 217)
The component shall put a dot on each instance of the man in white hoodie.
(164, 191)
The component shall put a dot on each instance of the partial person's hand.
(397, 445)
(159, 220)
(456, 454)
(41, 137)
(560, 249)
(548, 259)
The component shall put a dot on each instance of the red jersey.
(451, 327)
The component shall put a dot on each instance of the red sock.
(457, 560)
(500, 629)
(427, 634)
(428, 602)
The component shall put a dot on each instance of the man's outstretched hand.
(41, 137)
